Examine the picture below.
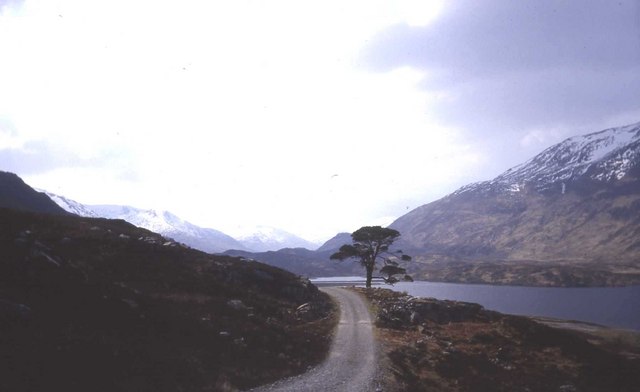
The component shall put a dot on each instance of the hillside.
(334, 243)
(569, 216)
(304, 262)
(309, 263)
(14, 193)
(91, 304)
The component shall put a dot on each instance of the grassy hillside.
(101, 305)
(589, 235)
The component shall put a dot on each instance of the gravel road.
(351, 364)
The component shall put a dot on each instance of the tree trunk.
(369, 275)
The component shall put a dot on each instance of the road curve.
(351, 364)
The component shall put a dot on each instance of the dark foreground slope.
(14, 193)
(101, 305)
(449, 346)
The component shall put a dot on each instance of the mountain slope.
(256, 239)
(304, 262)
(603, 156)
(71, 206)
(162, 222)
(570, 215)
(167, 224)
(309, 263)
(334, 243)
(100, 305)
(15, 194)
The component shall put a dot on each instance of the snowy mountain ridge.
(155, 220)
(265, 238)
(260, 238)
(158, 221)
(602, 156)
(70, 205)
(570, 217)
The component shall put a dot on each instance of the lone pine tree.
(370, 245)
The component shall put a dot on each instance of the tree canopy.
(370, 245)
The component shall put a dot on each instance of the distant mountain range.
(306, 262)
(570, 215)
(265, 238)
(258, 239)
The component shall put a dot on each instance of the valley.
(329, 196)
(127, 287)
(568, 217)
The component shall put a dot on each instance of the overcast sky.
(315, 117)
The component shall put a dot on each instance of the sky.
(313, 117)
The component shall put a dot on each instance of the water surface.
(611, 306)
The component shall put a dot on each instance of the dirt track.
(351, 364)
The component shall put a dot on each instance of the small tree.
(370, 245)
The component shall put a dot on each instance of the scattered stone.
(236, 304)
(124, 236)
(406, 311)
(240, 342)
(40, 245)
(40, 255)
(304, 307)
(225, 334)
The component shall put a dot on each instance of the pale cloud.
(225, 113)
(10, 6)
(259, 112)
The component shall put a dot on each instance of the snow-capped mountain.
(71, 205)
(577, 203)
(155, 220)
(169, 225)
(257, 239)
(161, 222)
(266, 238)
(601, 156)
